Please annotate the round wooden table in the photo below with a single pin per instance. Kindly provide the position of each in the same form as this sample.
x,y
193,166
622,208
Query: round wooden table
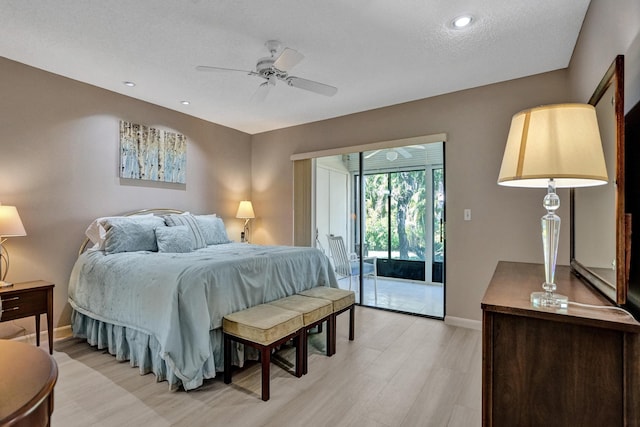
x,y
27,377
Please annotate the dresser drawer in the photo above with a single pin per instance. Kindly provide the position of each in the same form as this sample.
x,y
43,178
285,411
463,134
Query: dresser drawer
x,y
19,305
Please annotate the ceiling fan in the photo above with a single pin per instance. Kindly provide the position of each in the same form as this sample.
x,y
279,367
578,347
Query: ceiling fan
x,y
392,153
272,69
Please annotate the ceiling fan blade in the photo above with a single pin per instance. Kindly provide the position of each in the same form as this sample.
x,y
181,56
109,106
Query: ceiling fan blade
x,y
419,147
207,68
373,153
288,59
404,153
261,93
312,86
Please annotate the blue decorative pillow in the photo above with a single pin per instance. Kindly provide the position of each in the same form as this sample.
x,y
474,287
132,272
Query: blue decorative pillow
x,y
97,233
188,220
175,239
130,234
213,229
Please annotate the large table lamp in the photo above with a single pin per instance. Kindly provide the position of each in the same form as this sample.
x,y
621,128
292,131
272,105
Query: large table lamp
x,y
245,211
553,146
10,226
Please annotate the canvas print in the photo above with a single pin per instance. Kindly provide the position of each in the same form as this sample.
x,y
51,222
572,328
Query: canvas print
x,y
152,154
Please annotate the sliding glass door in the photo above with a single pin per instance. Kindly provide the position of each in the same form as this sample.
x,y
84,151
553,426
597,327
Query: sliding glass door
x,y
387,205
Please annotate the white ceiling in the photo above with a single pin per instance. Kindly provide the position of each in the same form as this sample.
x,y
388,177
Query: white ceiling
x,y
376,52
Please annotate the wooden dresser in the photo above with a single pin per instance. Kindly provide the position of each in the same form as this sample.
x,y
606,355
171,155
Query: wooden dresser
x,y
546,367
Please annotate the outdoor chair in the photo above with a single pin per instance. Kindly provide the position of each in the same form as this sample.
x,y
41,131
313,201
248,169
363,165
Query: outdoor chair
x,y
346,265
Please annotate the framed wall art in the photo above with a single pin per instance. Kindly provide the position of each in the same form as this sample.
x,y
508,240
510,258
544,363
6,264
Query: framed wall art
x,y
152,154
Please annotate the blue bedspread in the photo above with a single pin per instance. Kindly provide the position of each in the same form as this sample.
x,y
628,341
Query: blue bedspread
x,y
179,298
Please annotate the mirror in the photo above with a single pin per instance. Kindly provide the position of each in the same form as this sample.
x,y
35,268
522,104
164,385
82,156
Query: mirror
x,y
597,213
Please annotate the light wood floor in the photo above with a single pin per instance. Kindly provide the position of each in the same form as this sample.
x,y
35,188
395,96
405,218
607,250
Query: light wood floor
x,y
400,371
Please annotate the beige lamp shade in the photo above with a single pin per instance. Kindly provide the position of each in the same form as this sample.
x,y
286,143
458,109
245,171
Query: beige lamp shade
x,y
10,223
245,210
559,142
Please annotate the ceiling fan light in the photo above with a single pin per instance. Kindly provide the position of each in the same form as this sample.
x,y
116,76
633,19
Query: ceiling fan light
x,y
462,21
392,155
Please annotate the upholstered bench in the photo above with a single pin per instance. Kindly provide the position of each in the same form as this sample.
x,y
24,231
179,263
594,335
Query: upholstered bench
x,y
314,312
263,327
342,300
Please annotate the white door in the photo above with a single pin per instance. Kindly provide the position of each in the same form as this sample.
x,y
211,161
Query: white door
x,y
331,204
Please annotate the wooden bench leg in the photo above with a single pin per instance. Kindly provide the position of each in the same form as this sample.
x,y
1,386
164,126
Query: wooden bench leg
x,y
265,356
299,360
331,334
302,355
352,326
227,359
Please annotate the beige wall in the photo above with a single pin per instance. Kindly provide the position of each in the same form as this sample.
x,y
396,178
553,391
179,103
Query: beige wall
x,y
59,160
59,166
505,222
611,27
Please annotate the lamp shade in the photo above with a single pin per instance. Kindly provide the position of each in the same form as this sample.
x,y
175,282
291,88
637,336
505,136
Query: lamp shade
x,y
10,223
559,142
245,210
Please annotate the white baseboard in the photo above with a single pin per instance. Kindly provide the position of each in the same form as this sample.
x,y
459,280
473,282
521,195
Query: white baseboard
x,y
58,333
463,323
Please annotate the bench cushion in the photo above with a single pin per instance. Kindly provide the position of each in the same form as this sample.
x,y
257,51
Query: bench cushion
x,y
340,298
312,309
262,324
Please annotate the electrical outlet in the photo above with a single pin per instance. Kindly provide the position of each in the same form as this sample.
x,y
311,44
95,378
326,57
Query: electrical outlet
x,y
467,214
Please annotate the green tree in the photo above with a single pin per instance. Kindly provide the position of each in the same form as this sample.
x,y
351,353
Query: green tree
x,y
408,212
376,196
408,192
438,214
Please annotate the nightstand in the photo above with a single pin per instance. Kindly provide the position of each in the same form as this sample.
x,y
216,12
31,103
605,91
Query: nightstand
x,y
29,299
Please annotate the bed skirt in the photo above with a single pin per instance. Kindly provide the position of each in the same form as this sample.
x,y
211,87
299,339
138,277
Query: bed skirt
x,y
143,350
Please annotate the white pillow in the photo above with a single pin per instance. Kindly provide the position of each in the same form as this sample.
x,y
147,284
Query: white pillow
x,y
97,233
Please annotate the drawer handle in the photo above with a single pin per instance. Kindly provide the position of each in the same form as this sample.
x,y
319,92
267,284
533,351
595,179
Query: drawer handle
x,y
9,309
9,299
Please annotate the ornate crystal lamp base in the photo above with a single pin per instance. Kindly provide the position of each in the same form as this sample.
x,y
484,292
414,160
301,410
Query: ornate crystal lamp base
x,y
547,299
550,235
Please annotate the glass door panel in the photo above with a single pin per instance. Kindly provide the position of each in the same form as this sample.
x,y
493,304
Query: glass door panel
x,y
437,273
408,238
376,187
388,206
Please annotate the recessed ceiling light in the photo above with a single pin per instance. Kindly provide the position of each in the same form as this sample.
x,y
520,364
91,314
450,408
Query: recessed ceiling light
x,y
130,84
462,21
185,102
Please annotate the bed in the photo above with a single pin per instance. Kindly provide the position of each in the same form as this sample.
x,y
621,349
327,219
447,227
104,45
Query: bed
x,y
153,291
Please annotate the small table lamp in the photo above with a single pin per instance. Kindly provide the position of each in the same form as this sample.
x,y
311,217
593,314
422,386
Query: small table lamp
x,y
10,226
553,146
245,211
